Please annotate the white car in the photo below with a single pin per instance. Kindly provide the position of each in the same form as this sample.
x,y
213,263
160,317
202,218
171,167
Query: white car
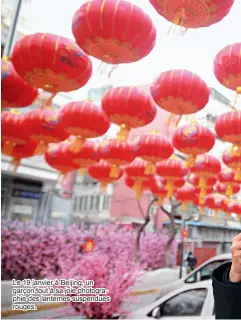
x,y
202,273
188,302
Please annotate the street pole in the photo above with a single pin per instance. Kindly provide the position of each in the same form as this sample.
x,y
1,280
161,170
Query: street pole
x,y
12,31
182,249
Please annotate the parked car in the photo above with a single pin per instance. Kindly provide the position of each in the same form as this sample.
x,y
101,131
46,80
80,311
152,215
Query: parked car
x,y
201,273
188,302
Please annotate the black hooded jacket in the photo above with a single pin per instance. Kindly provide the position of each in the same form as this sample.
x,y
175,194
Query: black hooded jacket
x,y
227,295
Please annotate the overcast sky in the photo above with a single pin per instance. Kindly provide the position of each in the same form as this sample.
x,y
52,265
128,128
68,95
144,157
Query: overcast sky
x,y
195,51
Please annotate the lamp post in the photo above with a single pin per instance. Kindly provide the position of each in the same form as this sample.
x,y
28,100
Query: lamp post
x,y
12,31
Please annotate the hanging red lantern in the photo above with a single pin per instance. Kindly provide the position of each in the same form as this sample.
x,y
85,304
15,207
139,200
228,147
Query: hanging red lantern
x,y
232,206
51,62
224,188
171,170
193,14
202,206
192,140
205,167
15,92
176,184
86,156
202,189
180,92
227,177
153,148
128,107
232,159
227,67
43,126
146,185
83,119
228,127
88,246
186,195
19,152
117,153
137,171
101,171
59,157
13,130
114,31
216,202
159,190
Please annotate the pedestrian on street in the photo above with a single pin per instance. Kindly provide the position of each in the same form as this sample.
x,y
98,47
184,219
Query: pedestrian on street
x,y
227,285
191,261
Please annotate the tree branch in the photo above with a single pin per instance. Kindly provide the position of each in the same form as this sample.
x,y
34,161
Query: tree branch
x,y
140,208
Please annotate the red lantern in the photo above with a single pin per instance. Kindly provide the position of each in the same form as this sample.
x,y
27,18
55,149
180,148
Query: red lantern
x,y
15,92
201,206
44,127
117,153
232,159
193,14
83,119
128,107
227,177
59,157
224,188
193,139
227,67
114,31
216,202
180,92
153,148
137,171
205,167
13,130
203,189
51,62
159,190
88,246
233,206
19,152
171,170
186,194
86,156
131,183
101,171
228,127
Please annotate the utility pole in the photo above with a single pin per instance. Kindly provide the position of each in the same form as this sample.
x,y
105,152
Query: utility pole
x,y
12,31
184,235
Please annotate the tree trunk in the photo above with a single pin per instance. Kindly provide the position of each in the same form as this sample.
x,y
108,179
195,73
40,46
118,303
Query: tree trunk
x,y
147,220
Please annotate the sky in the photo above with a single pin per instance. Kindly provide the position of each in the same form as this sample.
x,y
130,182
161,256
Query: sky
x,y
195,51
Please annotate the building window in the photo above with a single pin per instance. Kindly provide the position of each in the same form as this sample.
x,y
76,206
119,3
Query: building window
x,y
84,203
106,204
96,203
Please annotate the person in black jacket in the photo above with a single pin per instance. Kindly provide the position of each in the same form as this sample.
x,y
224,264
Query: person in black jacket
x,y
227,285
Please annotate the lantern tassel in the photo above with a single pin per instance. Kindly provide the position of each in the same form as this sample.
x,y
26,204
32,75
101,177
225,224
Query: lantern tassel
x,y
201,210
48,103
215,213
60,178
238,92
138,188
170,119
185,206
202,196
237,176
115,171
41,148
82,171
190,161
123,133
103,187
8,147
202,183
229,191
169,188
76,144
14,165
160,201
150,169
